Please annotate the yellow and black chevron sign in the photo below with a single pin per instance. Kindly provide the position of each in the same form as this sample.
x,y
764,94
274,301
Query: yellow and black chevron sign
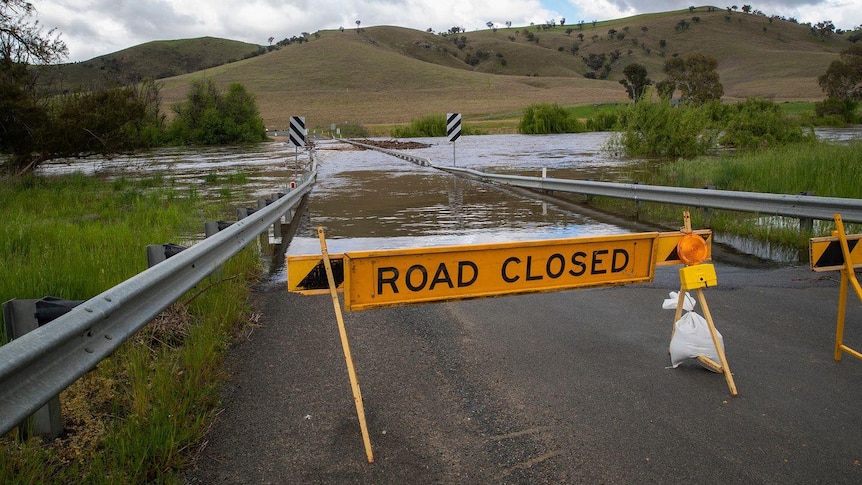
x,y
307,273
826,254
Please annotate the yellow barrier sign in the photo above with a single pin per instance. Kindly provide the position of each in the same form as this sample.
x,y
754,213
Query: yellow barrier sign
x,y
395,277
826,254
306,273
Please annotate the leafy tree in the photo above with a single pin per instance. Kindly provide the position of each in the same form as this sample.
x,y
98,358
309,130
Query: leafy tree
x,y
823,29
665,89
843,77
209,117
22,116
636,81
695,77
22,39
108,120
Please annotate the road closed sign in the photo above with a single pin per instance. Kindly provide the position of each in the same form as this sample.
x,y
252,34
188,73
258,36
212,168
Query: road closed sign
x,y
405,276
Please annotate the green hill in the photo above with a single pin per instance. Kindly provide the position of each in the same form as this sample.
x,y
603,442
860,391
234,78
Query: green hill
x,y
157,59
384,75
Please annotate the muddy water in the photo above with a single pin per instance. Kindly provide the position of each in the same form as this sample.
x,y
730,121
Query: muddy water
x,y
266,166
368,200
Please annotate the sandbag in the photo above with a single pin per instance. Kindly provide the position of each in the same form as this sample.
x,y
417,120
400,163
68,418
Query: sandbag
x,y
691,338
687,304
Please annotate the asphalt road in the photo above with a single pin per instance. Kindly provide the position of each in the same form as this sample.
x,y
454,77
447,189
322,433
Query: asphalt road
x,y
569,387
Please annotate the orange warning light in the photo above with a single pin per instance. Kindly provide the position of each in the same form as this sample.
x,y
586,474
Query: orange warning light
x,y
691,249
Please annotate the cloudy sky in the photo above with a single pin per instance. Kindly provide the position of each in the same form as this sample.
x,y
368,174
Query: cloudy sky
x,y
94,27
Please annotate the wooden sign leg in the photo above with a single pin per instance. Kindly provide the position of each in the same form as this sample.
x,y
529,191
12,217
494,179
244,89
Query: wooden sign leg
x,y
725,368
345,345
842,315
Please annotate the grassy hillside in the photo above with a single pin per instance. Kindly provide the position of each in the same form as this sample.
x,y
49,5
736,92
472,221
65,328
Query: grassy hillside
x,y
384,75
350,77
157,59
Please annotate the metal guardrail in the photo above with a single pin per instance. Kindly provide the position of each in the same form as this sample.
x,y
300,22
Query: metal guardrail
x,y
424,162
40,364
799,206
803,207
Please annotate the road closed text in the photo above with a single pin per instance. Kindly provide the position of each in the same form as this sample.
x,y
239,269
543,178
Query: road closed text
x,y
463,274
382,278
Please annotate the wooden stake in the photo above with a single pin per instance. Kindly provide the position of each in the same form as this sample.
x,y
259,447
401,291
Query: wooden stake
x,y
725,368
354,382
848,280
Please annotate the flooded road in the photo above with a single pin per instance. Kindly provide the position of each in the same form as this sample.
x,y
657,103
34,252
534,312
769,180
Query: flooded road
x,y
369,200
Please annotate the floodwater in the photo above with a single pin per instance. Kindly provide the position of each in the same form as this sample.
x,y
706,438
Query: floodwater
x,y
365,199
369,200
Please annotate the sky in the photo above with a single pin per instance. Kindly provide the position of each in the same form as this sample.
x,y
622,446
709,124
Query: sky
x,y
91,28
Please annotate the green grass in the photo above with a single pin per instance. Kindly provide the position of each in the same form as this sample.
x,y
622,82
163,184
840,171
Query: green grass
x,y
798,109
141,414
824,169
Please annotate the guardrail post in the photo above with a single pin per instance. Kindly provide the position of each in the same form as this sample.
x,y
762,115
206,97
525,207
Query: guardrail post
x,y
156,253
806,223
244,212
24,316
707,211
211,228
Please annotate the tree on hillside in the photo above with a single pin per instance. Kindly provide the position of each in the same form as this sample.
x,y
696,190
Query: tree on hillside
x,y
636,81
843,77
695,77
823,29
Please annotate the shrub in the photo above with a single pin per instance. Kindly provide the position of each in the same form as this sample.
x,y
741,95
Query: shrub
x,y
659,129
842,110
209,117
427,126
758,123
546,118
602,121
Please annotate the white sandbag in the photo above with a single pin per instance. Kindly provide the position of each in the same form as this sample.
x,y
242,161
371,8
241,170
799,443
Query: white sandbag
x,y
691,338
687,304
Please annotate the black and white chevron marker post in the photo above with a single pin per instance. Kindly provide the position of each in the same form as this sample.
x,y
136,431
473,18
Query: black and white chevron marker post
x,y
296,135
296,132
453,130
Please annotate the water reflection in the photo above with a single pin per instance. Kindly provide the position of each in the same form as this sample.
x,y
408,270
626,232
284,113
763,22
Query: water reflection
x,y
376,201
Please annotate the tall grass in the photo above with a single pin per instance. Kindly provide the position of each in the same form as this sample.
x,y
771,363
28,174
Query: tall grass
x,y
139,416
823,169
